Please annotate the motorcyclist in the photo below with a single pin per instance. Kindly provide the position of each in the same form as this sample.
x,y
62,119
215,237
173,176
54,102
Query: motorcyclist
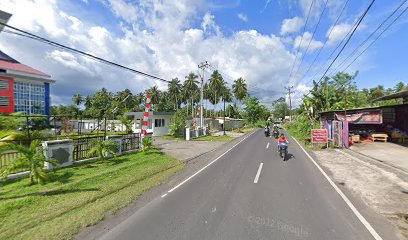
x,y
281,140
267,130
275,132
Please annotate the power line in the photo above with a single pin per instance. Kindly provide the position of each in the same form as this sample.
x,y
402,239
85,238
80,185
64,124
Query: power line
x,y
301,39
368,38
348,39
325,42
338,45
311,39
377,38
52,43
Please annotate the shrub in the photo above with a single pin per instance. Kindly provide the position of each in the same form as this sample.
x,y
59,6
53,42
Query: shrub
x,y
103,147
32,158
177,123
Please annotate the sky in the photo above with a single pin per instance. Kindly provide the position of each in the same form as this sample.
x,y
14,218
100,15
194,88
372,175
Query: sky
x,y
258,40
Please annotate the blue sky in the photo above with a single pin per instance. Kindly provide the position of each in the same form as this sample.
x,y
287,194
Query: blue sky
x,y
257,40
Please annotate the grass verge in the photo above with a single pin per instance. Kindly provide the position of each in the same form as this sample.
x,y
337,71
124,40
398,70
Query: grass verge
x,y
79,196
169,137
222,138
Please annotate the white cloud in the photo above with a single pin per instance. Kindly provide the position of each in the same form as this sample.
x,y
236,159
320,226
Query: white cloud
x,y
338,32
243,17
307,39
164,42
124,10
291,25
300,90
209,24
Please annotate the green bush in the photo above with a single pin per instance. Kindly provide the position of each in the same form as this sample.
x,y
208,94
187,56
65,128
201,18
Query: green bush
x,y
177,123
147,144
300,128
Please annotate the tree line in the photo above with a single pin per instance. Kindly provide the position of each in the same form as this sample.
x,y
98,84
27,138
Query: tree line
x,y
178,95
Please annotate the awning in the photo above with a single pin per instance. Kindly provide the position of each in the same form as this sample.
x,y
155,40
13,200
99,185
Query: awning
x,y
363,117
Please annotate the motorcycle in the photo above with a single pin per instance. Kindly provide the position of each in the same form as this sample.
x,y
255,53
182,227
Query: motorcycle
x,y
267,133
283,150
276,134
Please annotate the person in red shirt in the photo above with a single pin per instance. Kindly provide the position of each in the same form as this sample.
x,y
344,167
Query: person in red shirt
x,y
282,139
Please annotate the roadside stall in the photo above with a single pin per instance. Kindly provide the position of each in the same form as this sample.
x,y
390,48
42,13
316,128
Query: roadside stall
x,y
385,123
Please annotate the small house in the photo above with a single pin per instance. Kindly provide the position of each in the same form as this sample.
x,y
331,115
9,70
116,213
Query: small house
x,y
158,124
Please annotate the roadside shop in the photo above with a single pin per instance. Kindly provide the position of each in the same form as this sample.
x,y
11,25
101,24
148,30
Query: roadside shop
x,y
384,123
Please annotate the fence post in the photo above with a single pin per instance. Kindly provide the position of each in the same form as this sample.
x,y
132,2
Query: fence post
x,y
187,133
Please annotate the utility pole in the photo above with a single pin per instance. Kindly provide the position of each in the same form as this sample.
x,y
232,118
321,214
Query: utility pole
x,y
290,101
202,66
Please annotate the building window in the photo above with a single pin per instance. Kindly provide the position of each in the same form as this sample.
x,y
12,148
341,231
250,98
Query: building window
x,y
29,97
4,101
158,122
4,85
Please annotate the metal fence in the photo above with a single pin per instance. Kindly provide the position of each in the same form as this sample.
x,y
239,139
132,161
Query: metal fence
x,y
130,141
7,157
81,147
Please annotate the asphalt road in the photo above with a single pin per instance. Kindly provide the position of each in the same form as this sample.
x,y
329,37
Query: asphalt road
x,y
236,198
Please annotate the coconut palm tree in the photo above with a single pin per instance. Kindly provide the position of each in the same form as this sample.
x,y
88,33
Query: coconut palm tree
x,y
207,96
226,94
215,84
139,99
190,89
239,88
77,99
155,96
174,91
88,102
31,158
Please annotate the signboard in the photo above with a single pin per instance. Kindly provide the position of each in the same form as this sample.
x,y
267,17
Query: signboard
x,y
319,135
363,117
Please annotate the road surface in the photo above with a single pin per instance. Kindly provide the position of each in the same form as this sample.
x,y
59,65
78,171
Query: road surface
x,y
248,193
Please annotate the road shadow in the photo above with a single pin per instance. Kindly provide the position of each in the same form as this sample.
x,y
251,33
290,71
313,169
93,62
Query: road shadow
x,y
289,156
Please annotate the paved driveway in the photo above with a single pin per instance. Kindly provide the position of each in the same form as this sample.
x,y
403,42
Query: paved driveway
x,y
185,150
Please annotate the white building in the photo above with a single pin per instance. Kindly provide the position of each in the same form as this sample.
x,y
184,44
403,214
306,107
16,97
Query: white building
x,y
159,122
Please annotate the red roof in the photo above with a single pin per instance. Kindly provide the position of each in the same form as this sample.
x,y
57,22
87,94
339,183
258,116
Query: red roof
x,y
20,67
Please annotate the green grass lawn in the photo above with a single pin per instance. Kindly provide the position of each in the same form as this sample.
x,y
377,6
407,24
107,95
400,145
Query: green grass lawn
x,y
79,196
221,138
169,137
244,129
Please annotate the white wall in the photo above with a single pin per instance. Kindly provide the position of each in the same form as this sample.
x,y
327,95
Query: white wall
x,y
163,130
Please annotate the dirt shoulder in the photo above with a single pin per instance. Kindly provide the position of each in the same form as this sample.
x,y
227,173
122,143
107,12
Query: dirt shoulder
x,y
380,187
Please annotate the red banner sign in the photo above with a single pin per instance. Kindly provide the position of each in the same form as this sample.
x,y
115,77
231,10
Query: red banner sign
x,y
363,117
319,136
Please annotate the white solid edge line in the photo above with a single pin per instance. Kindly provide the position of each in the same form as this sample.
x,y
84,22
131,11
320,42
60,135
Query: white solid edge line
x,y
206,166
267,145
258,173
344,197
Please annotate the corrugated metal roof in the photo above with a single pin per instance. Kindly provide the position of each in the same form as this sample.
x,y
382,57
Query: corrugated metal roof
x,y
400,94
15,66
